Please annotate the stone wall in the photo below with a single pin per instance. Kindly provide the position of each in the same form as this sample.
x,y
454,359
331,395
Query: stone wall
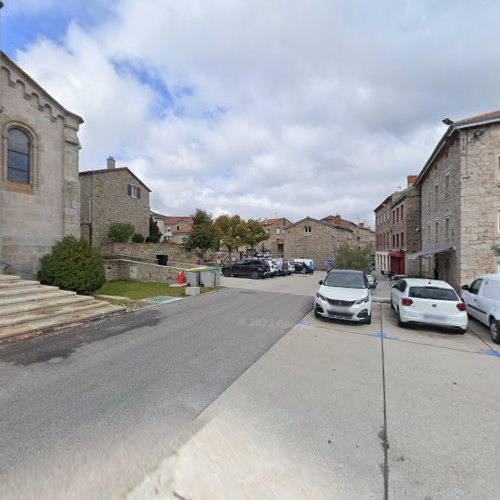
x,y
148,251
129,270
35,216
276,242
107,192
320,244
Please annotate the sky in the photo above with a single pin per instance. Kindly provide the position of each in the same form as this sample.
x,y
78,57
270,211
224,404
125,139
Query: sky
x,y
262,108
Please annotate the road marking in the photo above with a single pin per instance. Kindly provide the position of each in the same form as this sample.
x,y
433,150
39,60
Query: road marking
x,y
381,335
490,352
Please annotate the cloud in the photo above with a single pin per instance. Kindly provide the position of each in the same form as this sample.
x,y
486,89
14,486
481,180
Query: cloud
x,y
296,108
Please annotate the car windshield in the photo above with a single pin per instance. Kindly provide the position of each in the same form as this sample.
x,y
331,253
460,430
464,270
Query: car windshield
x,y
432,292
345,280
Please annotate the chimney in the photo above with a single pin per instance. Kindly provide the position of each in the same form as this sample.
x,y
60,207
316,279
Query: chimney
x,y
337,219
361,225
111,162
411,180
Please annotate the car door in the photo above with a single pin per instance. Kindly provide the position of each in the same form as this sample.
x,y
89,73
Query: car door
x,y
397,293
238,268
482,303
470,298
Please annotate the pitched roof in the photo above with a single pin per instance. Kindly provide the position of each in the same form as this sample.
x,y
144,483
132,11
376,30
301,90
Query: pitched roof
x,y
269,222
476,119
473,121
38,87
110,170
320,222
173,219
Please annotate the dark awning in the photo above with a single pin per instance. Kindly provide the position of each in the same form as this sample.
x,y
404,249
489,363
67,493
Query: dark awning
x,y
429,251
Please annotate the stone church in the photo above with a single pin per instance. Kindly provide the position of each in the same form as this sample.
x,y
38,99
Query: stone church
x,y
39,186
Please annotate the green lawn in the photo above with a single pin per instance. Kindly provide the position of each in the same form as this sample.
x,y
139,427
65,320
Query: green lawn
x,y
138,290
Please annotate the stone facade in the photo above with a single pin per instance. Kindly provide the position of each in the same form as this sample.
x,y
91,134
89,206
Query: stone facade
x,y
460,202
276,229
175,229
36,214
383,230
361,235
314,239
112,195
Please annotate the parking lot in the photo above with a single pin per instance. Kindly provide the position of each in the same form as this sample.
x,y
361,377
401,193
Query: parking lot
x,y
345,410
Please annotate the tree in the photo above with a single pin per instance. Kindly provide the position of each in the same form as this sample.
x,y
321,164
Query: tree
x,y
231,231
120,232
354,258
154,231
203,235
73,265
254,233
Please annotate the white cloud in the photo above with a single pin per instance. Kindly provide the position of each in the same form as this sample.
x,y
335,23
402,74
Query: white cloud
x,y
296,108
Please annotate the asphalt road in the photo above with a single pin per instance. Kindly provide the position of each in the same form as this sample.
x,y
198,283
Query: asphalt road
x,y
88,412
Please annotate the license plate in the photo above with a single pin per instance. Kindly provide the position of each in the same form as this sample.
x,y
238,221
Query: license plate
x,y
431,317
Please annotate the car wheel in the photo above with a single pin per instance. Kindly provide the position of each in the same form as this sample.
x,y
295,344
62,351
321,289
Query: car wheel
x,y
392,305
400,323
368,320
226,273
317,314
462,331
495,330
255,275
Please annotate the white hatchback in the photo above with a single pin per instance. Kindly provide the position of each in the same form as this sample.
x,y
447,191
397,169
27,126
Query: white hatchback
x,y
428,301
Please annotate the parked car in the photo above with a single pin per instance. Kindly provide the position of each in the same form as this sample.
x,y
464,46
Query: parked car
x,y
274,268
255,268
262,255
482,298
344,294
282,267
428,301
290,266
372,280
302,266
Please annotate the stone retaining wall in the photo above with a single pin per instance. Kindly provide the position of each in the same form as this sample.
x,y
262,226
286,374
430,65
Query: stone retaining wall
x,y
130,270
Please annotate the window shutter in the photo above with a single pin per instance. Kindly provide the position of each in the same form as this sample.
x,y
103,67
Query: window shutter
x,y
129,190
138,193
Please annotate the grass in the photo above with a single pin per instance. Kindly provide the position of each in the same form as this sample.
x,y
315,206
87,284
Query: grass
x,y
137,290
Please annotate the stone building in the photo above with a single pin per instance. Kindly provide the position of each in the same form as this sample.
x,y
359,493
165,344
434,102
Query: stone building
x,y
397,221
315,239
460,202
276,229
383,230
176,228
112,195
361,235
39,190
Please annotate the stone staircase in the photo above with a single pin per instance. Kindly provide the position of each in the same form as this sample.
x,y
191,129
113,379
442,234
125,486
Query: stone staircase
x,y
27,306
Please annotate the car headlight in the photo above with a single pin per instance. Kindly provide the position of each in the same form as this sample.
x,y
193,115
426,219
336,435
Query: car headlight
x,y
364,299
320,296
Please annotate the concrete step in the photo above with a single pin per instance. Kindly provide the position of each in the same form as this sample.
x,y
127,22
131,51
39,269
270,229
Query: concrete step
x,y
102,311
35,305
53,312
40,296
8,277
25,290
8,285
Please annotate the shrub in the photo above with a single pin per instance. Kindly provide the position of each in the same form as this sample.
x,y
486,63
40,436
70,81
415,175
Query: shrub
x,y
120,232
153,238
138,238
73,265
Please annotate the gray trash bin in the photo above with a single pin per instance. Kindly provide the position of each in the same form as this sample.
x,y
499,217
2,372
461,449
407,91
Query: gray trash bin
x,y
207,278
192,278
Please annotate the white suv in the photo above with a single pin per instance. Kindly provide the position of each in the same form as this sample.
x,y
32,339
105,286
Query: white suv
x,y
482,298
344,294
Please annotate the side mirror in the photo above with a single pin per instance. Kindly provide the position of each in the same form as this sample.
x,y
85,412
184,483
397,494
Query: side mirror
x,y
371,286
465,287
320,282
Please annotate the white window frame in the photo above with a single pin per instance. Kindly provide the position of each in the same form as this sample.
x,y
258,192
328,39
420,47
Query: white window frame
x,y
134,191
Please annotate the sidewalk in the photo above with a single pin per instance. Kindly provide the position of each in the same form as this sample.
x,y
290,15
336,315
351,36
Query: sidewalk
x,y
383,291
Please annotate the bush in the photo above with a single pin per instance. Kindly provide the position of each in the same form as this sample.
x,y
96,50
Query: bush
x,y
138,238
120,232
73,265
153,238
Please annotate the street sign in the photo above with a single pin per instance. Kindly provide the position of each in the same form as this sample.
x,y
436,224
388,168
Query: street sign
x,y
329,262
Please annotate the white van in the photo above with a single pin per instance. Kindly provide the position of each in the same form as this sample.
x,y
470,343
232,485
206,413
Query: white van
x,y
482,298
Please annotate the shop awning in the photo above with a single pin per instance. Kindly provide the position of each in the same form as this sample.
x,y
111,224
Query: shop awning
x,y
430,251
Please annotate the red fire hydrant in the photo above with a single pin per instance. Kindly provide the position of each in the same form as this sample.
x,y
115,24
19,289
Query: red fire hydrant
x,y
180,278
